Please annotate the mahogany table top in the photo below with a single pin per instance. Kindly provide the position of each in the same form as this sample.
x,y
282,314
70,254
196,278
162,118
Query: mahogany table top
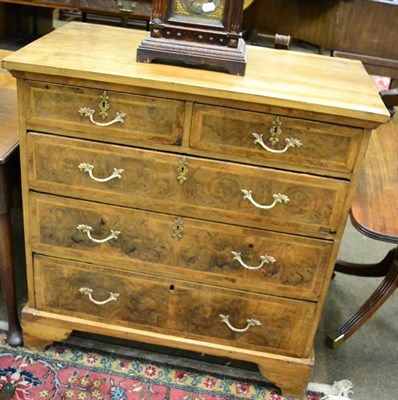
x,y
374,209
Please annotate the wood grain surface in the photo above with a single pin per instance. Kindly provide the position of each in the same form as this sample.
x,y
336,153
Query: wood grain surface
x,y
330,86
212,191
229,131
172,306
203,254
147,119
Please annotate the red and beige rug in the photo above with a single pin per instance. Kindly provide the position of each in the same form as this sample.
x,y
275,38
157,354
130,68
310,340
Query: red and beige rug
x,y
70,373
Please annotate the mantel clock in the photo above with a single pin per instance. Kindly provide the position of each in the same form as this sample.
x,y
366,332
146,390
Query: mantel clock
x,y
196,32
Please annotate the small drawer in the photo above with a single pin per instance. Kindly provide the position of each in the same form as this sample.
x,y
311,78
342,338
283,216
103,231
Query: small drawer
x,y
211,253
104,115
186,186
267,139
174,307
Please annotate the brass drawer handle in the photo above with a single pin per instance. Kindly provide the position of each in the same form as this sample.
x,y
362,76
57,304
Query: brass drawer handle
x,y
290,143
89,112
250,322
278,198
264,260
89,292
85,167
87,229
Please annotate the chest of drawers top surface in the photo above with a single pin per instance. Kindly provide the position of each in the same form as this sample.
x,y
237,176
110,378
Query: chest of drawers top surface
x,y
334,88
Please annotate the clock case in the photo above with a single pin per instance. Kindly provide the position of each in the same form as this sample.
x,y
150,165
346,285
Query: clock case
x,y
193,43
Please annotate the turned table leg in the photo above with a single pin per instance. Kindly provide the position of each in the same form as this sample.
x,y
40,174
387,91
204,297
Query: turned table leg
x,y
375,301
7,274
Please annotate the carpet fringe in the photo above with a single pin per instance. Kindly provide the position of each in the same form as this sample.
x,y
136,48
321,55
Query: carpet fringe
x,y
340,390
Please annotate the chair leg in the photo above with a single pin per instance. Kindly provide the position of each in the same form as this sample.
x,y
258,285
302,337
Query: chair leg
x,y
7,277
378,298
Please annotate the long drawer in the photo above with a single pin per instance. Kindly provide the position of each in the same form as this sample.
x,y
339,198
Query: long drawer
x,y
171,306
187,186
185,248
118,117
266,139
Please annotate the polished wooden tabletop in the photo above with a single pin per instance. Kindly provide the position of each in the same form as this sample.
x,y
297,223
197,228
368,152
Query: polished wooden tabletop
x,y
8,112
374,210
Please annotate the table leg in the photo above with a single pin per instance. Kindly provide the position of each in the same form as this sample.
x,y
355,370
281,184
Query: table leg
x,y
375,301
372,270
7,274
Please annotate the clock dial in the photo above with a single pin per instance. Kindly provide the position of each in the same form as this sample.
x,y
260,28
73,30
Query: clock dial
x,y
199,11
200,6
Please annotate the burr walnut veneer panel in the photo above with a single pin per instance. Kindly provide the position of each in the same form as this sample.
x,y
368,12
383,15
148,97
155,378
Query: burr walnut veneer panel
x,y
187,307
229,131
149,119
184,207
212,190
205,251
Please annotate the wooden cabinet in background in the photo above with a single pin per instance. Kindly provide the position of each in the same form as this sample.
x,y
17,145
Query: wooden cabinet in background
x,y
25,20
137,8
365,30
183,207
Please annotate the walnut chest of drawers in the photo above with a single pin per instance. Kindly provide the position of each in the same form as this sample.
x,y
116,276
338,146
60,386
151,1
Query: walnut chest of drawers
x,y
185,207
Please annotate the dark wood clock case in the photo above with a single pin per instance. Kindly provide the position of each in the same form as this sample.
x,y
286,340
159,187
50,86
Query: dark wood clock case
x,y
171,40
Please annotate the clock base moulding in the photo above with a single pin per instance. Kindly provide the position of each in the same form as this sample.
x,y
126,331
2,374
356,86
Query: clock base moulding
x,y
233,60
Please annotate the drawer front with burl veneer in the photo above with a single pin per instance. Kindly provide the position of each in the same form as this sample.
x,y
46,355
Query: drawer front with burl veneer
x,y
188,186
280,141
169,245
105,116
175,307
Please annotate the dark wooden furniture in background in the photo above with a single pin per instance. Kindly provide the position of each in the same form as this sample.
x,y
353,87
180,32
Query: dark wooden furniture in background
x,y
35,17
9,175
123,9
361,29
29,18
374,213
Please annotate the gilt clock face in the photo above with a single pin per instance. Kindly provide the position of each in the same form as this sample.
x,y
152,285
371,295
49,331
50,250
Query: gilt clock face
x,y
199,11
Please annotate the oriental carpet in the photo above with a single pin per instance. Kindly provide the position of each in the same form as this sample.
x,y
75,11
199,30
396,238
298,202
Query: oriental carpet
x,y
72,373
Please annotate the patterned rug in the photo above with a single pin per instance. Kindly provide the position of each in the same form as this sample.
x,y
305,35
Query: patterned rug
x,y
72,373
